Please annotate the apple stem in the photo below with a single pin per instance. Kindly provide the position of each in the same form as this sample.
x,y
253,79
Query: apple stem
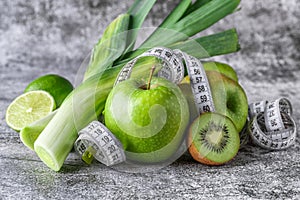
x,y
150,77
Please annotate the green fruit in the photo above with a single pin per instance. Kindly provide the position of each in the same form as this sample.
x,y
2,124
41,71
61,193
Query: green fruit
x,y
213,139
229,98
218,67
187,92
28,108
150,123
57,86
221,68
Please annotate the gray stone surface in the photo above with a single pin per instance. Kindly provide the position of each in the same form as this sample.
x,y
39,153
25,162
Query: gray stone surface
x,y
40,37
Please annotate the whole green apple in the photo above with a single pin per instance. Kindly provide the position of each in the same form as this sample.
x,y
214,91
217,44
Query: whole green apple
x,y
150,122
229,98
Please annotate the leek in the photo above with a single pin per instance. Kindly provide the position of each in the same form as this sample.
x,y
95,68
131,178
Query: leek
x,y
30,133
211,45
138,12
195,6
193,23
110,47
176,14
117,39
203,47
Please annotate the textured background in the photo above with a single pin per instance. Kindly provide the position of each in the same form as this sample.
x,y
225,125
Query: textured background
x,y
40,37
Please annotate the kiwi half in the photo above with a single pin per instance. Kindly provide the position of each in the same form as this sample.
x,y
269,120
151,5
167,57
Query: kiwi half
x,y
213,139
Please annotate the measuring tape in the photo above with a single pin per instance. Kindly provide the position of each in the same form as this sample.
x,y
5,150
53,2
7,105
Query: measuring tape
x,y
273,120
90,140
101,143
272,126
173,69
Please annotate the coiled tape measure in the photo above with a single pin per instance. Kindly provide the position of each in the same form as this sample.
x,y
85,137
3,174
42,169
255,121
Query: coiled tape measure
x,y
90,141
272,126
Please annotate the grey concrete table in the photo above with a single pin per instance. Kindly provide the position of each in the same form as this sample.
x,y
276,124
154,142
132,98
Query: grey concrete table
x,y
40,37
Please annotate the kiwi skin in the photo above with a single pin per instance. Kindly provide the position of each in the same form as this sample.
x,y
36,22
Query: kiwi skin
x,y
196,154
198,157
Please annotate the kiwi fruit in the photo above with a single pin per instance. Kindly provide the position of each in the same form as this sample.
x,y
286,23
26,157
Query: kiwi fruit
x,y
213,139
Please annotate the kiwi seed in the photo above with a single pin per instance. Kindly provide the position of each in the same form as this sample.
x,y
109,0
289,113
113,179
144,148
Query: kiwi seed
x,y
213,128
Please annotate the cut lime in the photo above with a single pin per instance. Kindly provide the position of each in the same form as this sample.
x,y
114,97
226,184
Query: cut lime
x,y
57,86
28,108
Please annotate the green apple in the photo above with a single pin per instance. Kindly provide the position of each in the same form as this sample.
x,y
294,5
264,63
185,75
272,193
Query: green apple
x,y
228,95
185,87
222,68
229,98
188,93
149,120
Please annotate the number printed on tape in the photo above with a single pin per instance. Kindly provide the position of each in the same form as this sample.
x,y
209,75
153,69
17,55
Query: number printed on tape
x,y
109,150
280,129
173,70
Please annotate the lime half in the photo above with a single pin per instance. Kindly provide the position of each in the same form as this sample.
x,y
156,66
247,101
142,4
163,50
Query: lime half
x,y
28,108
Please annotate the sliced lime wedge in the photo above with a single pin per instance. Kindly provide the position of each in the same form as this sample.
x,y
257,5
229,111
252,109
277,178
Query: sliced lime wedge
x,y
28,108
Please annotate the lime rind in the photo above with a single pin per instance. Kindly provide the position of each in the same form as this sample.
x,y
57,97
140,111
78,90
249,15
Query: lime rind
x,y
57,86
28,108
